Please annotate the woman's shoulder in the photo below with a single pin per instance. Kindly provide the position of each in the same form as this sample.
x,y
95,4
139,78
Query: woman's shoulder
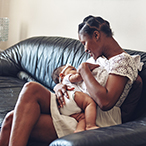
x,y
122,55
126,59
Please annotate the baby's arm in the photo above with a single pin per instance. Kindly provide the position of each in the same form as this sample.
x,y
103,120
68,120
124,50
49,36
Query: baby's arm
x,y
74,78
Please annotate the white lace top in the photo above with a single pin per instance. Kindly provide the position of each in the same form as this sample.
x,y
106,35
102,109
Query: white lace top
x,y
124,65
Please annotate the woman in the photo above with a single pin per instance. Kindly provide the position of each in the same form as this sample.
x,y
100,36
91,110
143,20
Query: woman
x,y
42,121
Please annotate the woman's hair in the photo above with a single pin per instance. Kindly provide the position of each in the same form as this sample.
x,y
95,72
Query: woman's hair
x,y
91,23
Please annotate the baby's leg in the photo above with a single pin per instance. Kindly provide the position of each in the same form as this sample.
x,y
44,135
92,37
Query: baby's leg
x,y
86,103
81,126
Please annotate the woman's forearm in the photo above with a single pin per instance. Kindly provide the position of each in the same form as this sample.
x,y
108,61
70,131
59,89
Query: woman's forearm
x,y
94,88
99,93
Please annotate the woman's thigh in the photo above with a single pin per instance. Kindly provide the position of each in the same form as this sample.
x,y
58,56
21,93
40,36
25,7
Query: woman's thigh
x,y
44,129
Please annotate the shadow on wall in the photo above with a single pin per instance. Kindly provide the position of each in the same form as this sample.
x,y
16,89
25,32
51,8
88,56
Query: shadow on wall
x,y
22,35
23,31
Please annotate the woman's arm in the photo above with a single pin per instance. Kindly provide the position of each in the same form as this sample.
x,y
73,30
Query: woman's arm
x,y
74,78
106,97
91,66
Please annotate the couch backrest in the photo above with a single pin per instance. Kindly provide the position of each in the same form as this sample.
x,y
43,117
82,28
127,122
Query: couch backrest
x,y
39,56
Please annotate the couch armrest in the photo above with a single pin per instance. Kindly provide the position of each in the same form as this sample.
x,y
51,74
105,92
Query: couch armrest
x,y
128,134
128,108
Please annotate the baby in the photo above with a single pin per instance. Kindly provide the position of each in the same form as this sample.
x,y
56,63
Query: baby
x,y
79,99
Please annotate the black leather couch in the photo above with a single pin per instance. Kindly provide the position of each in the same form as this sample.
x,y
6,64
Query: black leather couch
x,y
35,58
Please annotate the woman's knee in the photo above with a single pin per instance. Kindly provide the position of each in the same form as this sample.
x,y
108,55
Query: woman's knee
x,y
7,121
9,116
31,86
30,89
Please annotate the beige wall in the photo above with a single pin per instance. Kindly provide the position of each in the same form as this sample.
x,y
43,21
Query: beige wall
x,y
60,18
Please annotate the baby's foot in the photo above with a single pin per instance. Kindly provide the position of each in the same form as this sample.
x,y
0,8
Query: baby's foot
x,y
92,127
79,130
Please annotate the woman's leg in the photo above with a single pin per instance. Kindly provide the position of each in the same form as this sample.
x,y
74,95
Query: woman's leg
x,y
6,129
29,114
43,131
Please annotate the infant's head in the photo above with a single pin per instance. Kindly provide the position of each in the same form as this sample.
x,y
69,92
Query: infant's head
x,y
60,72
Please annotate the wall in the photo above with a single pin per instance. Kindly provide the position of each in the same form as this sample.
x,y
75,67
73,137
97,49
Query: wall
x,y
60,18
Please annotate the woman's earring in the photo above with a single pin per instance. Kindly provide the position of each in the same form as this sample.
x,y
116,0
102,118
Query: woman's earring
x,y
96,36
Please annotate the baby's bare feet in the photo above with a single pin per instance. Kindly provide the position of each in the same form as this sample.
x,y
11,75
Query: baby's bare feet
x,y
78,130
92,127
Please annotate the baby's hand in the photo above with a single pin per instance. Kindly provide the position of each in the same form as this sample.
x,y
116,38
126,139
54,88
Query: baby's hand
x,y
74,78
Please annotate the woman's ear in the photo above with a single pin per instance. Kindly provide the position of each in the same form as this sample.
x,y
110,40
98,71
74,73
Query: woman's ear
x,y
96,35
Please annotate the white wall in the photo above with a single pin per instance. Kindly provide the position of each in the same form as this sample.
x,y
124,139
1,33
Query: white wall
x,y
60,18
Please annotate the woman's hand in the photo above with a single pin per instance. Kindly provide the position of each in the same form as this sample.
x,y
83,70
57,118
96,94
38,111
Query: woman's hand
x,y
61,92
88,65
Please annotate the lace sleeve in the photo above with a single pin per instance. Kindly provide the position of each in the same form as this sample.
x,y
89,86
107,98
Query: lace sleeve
x,y
125,65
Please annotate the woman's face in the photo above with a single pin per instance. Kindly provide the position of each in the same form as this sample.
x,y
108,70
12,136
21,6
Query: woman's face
x,y
91,45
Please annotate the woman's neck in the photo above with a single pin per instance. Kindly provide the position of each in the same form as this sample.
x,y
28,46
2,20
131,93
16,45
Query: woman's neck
x,y
111,48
